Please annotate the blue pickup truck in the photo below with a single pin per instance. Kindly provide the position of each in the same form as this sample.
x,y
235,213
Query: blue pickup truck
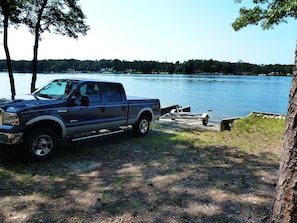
x,y
75,109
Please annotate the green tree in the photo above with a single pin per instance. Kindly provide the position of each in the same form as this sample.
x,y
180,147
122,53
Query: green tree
x,y
268,13
10,9
62,17
117,65
189,67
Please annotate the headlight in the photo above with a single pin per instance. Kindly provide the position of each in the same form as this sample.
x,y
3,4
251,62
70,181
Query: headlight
x,y
10,119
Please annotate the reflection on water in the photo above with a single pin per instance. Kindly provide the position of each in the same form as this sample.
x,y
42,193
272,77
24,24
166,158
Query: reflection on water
x,y
227,96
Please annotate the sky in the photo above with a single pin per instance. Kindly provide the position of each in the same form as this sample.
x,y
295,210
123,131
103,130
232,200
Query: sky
x,y
164,31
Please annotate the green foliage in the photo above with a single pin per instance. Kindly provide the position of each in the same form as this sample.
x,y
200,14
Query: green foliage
x,y
188,67
62,17
11,9
266,13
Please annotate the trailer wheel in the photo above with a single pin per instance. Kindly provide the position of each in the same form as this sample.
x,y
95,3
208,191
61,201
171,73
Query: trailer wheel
x,y
142,126
41,143
205,120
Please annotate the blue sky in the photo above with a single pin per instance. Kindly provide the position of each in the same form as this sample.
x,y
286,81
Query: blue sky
x,y
162,30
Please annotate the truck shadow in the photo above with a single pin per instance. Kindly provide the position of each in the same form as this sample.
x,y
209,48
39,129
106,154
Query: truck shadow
x,y
158,178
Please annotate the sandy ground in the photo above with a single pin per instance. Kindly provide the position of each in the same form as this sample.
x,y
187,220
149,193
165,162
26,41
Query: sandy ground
x,y
159,178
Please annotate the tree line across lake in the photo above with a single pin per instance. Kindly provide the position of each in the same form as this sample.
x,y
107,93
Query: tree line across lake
x,y
147,67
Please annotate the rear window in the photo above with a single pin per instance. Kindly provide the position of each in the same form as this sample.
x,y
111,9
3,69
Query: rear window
x,y
113,93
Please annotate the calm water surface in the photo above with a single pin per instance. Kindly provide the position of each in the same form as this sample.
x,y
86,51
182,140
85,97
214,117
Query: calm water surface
x,y
227,96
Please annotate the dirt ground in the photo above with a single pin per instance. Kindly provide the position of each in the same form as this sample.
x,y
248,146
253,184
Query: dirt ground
x,y
163,177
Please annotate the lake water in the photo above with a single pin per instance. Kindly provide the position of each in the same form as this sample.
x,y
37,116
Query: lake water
x,y
227,96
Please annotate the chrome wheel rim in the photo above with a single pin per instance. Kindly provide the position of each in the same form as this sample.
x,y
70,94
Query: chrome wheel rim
x,y
42,145
144,126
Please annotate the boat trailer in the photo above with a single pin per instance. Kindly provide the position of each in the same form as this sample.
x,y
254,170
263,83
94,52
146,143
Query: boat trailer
x,y
179,113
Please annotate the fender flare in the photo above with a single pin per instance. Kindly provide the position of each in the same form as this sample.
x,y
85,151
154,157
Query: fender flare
x,y
48,118
144,110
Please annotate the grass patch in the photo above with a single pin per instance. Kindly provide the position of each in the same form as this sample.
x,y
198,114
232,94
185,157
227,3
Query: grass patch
x,y
171,175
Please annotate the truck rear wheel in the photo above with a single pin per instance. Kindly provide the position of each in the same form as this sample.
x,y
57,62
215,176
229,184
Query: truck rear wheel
x,y
41,143
142,126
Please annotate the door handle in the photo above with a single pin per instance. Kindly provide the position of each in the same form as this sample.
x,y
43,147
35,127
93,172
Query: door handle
x,y
123,107
103,109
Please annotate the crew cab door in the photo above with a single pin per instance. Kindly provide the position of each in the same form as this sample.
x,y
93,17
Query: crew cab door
x,y
96,106
87,109
116,106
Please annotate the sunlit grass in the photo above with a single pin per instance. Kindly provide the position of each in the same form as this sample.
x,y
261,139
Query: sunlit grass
x,y
248,134
170,169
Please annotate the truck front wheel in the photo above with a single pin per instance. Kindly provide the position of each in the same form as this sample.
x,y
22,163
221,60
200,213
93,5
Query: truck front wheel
x,y
41,143
142,126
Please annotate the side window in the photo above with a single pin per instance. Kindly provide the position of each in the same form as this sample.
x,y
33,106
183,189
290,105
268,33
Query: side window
x,y
113,93
92,91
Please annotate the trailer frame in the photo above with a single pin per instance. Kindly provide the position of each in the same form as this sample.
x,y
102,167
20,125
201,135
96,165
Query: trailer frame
x,y
179,113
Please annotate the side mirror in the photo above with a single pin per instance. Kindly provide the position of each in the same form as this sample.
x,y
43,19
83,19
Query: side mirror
x,y
74,100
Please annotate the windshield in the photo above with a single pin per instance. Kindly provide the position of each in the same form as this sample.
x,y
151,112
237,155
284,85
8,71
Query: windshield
x,y
56,89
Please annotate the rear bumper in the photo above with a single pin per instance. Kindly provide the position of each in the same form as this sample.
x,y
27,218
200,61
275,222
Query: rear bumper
x,y
156,117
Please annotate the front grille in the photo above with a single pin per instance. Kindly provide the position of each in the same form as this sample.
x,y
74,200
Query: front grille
x,y
1,116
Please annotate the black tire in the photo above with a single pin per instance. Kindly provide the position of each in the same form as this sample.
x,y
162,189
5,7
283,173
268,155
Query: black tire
x,y
142,126
41,143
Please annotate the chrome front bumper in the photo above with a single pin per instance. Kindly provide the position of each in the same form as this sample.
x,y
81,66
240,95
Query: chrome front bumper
x,y
10,138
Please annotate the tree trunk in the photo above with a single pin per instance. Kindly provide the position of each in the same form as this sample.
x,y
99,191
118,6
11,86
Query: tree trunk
x,y
285,203
34,63
5,10
36,45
